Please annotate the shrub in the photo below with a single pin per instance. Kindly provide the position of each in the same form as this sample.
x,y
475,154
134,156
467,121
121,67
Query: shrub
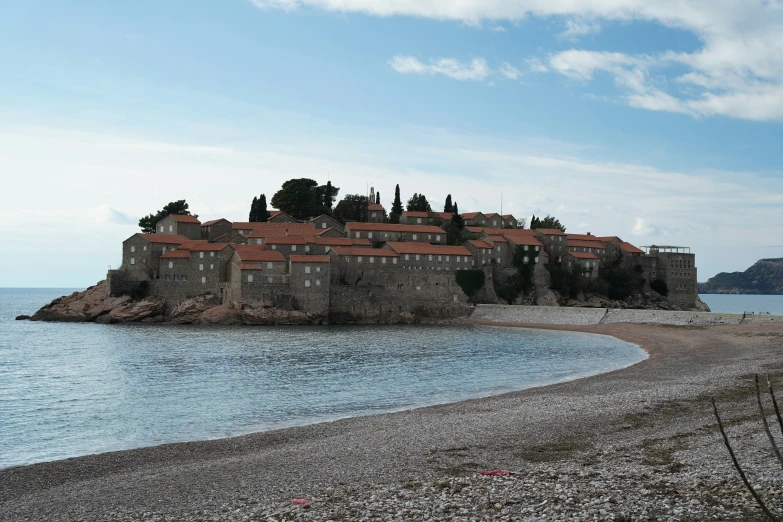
x,y
471,281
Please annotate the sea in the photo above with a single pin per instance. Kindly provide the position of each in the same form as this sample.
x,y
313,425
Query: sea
x,y
76,389
737,304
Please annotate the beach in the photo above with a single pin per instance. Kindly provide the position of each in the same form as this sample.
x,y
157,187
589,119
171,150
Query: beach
x,y
634,444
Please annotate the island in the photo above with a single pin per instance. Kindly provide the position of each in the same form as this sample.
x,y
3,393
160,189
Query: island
x,y
764,277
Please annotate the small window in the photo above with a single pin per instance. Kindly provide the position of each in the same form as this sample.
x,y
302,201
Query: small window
x,y
437,238
525,259
372,259
418,288
161,229
373,214
249,278
358,259
168,277
184,278
145,248
270,279
317,282
171,264
171,228
386,235
133,248
274,247
201,255
133,259
383,260
417,257
211,254
448,258
293,248
270,266
307,270
307,283
536,259
407,257
307,248
498,248
203,280
394,260
418,221
164,249
176,277
458,259
347,259
430,258
415,237
323,225
440,259
429,237
525,248
358,234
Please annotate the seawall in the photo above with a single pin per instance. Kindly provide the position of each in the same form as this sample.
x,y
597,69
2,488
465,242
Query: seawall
x,y
587,316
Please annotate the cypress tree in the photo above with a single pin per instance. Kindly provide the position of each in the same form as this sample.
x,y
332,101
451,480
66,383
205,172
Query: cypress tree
x,y
377,198
328,197
262,214
448,207
455,209
396,210
253,210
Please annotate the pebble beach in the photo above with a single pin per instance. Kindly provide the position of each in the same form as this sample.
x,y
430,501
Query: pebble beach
x,y
639,443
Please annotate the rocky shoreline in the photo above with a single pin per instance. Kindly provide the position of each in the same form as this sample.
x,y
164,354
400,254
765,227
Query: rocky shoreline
x,y
633,444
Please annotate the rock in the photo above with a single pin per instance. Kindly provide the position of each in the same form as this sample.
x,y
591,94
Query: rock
x,y
701,306
23,317
226,313
188,311
80,306
546,297
131,311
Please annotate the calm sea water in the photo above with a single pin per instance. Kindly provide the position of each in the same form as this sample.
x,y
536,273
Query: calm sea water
x,y
76,389
738,304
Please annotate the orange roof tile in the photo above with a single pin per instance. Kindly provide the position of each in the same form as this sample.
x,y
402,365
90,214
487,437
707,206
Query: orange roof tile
x,y
497,239
264,255
289,240
209,223
179,218
630,249
342,241
582,255
506,216
389,227
582,237
176,254
490,216
585,244
551,231
415,213
478,243
413,247
369,252
445,216
208,247
374,206
310,259
470,215
523,239
167,239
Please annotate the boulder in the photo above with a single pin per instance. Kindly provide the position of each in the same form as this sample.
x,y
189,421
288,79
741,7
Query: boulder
x,y
225,313
80,306
132,311
188,311
23,317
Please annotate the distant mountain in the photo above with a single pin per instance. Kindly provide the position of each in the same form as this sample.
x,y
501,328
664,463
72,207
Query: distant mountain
x,y
764,277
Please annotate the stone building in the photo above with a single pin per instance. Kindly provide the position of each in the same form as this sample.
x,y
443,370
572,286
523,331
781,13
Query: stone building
x,y
324,222
425,256
508,221
480,250
188,226
425,218
141,253
587,260
351,265
324,244
310,282
555,243
212,230
382,232
676,266
375,213
290,245
276,216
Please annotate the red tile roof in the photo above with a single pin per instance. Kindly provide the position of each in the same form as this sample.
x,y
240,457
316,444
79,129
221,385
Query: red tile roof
x,y
263,255
582,255
368,252
374,206
208,247
166,239
289,240
389,227
413,247
415,213
342,241
585,244
470,215
490,216
209,223
323,231
551,231
582,237
507,216
266,225
523,239
478,243
243,265
310,259
445,216
176,254
179,218
630,249
497,239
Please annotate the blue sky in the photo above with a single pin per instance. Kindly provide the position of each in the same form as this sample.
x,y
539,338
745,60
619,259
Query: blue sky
x,y
656,121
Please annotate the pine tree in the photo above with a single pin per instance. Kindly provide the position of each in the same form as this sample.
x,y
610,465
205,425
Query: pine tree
x,y
262,214
448,207
377,198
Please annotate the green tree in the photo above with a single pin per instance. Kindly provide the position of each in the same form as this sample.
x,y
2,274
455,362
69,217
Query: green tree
x,y
253,210
329,196
303,198
455,210
353,207
377,198
448,207
148,222
418,203
550,222
262,214
396,209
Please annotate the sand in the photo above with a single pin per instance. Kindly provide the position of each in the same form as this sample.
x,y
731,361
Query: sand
x,y
662,399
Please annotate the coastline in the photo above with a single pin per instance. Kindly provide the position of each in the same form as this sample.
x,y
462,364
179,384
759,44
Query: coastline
x,y
561,423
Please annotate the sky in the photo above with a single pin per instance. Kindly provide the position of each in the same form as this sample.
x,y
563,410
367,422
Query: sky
x,y
656,121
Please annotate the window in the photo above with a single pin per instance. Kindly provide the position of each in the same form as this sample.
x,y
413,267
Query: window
x,y
176,277
386,235
203,280
347,259
429,237
525,259
211,266
307,270
372,259
164,249
270,279
358,234
168,277
536,248
560,238
201,255
498,248
270,266
327,249
373,214
525,248
418,288
184,277
417,257
293,248
274,247
161,229
437,238
307,283
211,254
307,248
383,260
249,278
536,259
201,267
448,258
418,221
358,259
458,259
415,237
133,260
171,228
369,235
394,260
171,264
430,258
323,225
318,269
145,248
440,259
407,257
133,248
317,282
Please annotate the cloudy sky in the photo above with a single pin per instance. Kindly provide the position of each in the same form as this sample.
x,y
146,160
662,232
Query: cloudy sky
x,y
658,121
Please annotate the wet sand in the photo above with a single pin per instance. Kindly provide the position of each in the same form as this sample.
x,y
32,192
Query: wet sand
x,y
661,398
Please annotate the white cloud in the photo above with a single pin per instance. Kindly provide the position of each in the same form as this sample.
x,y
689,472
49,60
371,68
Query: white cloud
x,y
475,70
510,72
737,71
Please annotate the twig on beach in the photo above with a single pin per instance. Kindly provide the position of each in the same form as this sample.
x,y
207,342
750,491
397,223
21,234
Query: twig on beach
x,y
766,424
775,403
756,496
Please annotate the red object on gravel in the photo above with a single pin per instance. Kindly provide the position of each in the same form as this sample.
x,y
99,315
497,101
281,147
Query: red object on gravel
x,y
301,501
498,472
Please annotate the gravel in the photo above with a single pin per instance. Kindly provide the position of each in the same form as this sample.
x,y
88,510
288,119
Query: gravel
x,y
634,444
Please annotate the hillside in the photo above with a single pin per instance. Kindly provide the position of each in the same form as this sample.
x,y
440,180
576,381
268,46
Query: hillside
x,y
764,277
